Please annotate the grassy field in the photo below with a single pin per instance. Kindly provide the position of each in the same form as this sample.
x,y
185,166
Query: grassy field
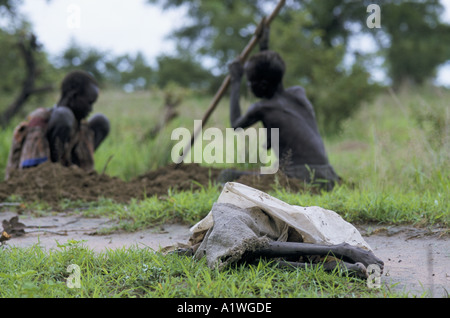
x,y
394,152
137,272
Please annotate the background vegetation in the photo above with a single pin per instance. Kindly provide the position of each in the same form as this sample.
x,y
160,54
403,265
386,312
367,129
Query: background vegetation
x,y
393,154
389,140
316,38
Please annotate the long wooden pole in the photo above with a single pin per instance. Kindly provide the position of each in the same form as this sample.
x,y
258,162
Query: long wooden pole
x,y
226,82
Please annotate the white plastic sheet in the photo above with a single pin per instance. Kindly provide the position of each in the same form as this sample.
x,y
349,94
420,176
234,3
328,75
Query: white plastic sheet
x,y
315,224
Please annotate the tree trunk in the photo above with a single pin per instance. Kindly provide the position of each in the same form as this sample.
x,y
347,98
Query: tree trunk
x,y
27,48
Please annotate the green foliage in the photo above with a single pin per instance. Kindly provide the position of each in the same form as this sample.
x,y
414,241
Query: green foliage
x,y
336,92
312,36
184,71
130,72
9,53
222,29
9,7
142,273
12,65
216,29
392,153
185,207
134,72
394,174
88,59
409,39
5,144
416,37
16,31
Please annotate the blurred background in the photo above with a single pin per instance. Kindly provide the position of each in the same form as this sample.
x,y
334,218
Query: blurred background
x,y
381,94
142,44
152,56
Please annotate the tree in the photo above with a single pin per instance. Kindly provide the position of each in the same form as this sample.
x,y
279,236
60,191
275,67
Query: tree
x,y
27,47
219,30
128,71
184,71
88,59
9,7
134,72
313,35
335,90
416,40
410,38
24,66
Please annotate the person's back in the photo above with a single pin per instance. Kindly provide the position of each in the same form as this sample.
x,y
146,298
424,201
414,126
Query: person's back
x,y
61,133
299,136
301,149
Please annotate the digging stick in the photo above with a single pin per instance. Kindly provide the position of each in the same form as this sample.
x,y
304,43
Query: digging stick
x,y
226,82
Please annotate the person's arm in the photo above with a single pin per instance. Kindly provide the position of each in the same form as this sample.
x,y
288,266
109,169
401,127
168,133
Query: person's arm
x,y
237,120
264,41
236,74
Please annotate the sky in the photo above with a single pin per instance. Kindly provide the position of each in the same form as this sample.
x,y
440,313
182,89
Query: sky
x,y
117,26
121,26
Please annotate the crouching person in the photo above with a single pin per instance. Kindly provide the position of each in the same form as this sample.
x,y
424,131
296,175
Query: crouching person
x,y
61,133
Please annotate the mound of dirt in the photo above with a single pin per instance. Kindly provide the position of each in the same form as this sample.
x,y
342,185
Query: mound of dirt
x,y
181,177
51,182
268,182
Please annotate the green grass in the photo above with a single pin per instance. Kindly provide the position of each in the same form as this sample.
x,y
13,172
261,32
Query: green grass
x,y
182,207
138,272
393,154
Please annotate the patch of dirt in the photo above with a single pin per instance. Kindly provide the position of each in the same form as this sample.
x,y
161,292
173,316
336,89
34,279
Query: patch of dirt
x,y
51,182
267,182
51,231
416,260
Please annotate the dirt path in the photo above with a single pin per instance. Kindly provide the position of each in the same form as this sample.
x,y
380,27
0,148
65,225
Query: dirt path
x,y
50,231
417,261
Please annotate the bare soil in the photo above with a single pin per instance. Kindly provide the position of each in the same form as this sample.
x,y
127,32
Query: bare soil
x,y
51,182
416,260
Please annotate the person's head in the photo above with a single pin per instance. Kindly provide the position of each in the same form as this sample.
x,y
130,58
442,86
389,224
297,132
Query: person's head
x,y
265,71
79,91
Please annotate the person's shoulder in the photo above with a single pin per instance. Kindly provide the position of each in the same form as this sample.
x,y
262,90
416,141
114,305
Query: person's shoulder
x,y
41,112
298,94
296,90
264,105
257,107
